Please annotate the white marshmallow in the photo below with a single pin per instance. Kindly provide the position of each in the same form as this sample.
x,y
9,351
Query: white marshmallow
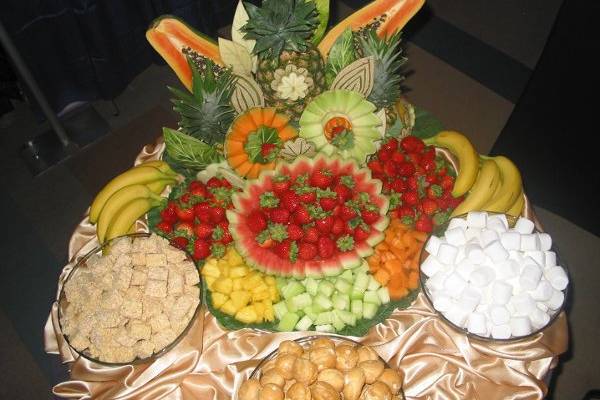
x,y
516,255
457,223
441,301
543,307
516,284
539,319
511,240
522,305
460,255
464,268
477,324
432,246
507,269
542,292
477,219
530,276
486,295
501,292
501,331
482,276
457,315
520,326
557,277
431,266
454,285
524,226
493,220
447,253
556,300
538,256
488,236
474,253
472,234
469,299
499,315
436,282
495,251
550,258
456,236
545,241
530,242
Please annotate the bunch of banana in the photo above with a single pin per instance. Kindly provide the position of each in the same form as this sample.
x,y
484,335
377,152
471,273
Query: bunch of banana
x,y
128,197
490,183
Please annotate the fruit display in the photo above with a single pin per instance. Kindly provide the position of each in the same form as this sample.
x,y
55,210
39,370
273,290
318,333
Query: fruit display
x,y
323,367
128,197
488,183
237,290
418,181
193,218
309,218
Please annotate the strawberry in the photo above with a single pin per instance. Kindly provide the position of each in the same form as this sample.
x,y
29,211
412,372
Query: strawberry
x,y
398,157
168,214
225,183
197,188
361,234
410,198
308,197
390,145
348,229
302,216
326,247
165,226
369,216
431,179
429,206
384,155
280,215
325,224
412,144
386,187
347,213
321,178
289,199
203,230
185,198
256,221
406,168
185,214
179,242
213,182
429,153
311,235
398,185
455,201
281,184
217,214
375,166
447,182
307,251
390,169
343,192
415,158
338,227
434,192
184,229
424,223
294,232
427,165
224,225
282,249
412,182
226,239
328,203
201,249
202,212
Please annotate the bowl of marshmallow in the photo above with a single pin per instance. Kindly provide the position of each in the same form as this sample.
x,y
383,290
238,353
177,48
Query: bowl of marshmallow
x,y
493,276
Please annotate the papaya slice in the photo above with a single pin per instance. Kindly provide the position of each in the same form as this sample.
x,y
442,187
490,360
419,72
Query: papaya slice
x,y
287,133
169,35
395,14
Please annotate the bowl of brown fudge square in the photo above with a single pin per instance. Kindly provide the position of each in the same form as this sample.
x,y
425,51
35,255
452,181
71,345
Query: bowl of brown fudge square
x,y
130,300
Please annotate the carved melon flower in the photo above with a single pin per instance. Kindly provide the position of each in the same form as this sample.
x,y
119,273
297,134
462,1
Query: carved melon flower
x,y
291,83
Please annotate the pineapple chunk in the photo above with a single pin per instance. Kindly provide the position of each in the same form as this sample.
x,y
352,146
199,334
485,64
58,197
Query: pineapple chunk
x,y
218,299
211,270
260,310
238,284
247,315
238,271
269,280
223,285
209,281
269,314
233,257
252,280
222,263
224,270
240,298
260,288
229,307
273,294
262,295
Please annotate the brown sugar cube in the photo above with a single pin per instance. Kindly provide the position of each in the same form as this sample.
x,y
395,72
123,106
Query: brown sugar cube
x,y
163,338
180,308
123,338
139,330
175,283
193,291
123,354
103,337
131,308
156,260
159,323
168,303
156,288
120,246
123,260
123,278
111,299
144,348
192,277
106,281
151,306
138,278
138,259
160,273
174,256
108,318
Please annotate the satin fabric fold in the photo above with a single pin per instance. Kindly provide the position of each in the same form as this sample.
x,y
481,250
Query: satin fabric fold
x,y
210,363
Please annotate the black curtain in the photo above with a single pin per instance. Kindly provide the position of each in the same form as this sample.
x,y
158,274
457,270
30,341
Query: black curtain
x,y
81,50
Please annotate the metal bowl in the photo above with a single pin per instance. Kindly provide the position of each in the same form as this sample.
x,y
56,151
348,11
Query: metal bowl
x,y
512,220
62,303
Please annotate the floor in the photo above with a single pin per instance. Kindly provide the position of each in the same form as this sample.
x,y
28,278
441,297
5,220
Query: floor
x,y
448,77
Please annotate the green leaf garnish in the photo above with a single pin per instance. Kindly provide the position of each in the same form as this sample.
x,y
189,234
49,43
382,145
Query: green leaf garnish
x,y
264,135
269,200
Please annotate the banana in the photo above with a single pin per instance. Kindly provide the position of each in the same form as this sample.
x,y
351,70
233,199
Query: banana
x,y
468,158
117,201
158,186
127,216
484,187
510,188
133,176
160,165
517,208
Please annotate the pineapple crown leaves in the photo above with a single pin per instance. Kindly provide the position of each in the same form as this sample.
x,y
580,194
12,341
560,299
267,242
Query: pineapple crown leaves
x,y
206,113
388,61
280,25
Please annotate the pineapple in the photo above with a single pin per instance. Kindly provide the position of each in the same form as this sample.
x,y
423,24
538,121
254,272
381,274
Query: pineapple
x,y
290,69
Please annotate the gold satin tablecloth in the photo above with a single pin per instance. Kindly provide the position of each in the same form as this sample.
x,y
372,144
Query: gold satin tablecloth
x,y
210,362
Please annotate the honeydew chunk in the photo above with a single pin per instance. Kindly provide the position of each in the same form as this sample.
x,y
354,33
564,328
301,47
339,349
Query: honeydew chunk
x,y
343,286
323,303
310,312
384,295
338,324
356,308
371,297
293,288
288,322
301,301
356,294
325,328
312,286
361,281
341,301
369,310
304,323
373,284
347,317
280,309
347,275
326,288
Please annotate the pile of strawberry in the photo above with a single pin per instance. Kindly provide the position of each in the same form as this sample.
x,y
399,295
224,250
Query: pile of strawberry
x,y
194,218
313,216
418,182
